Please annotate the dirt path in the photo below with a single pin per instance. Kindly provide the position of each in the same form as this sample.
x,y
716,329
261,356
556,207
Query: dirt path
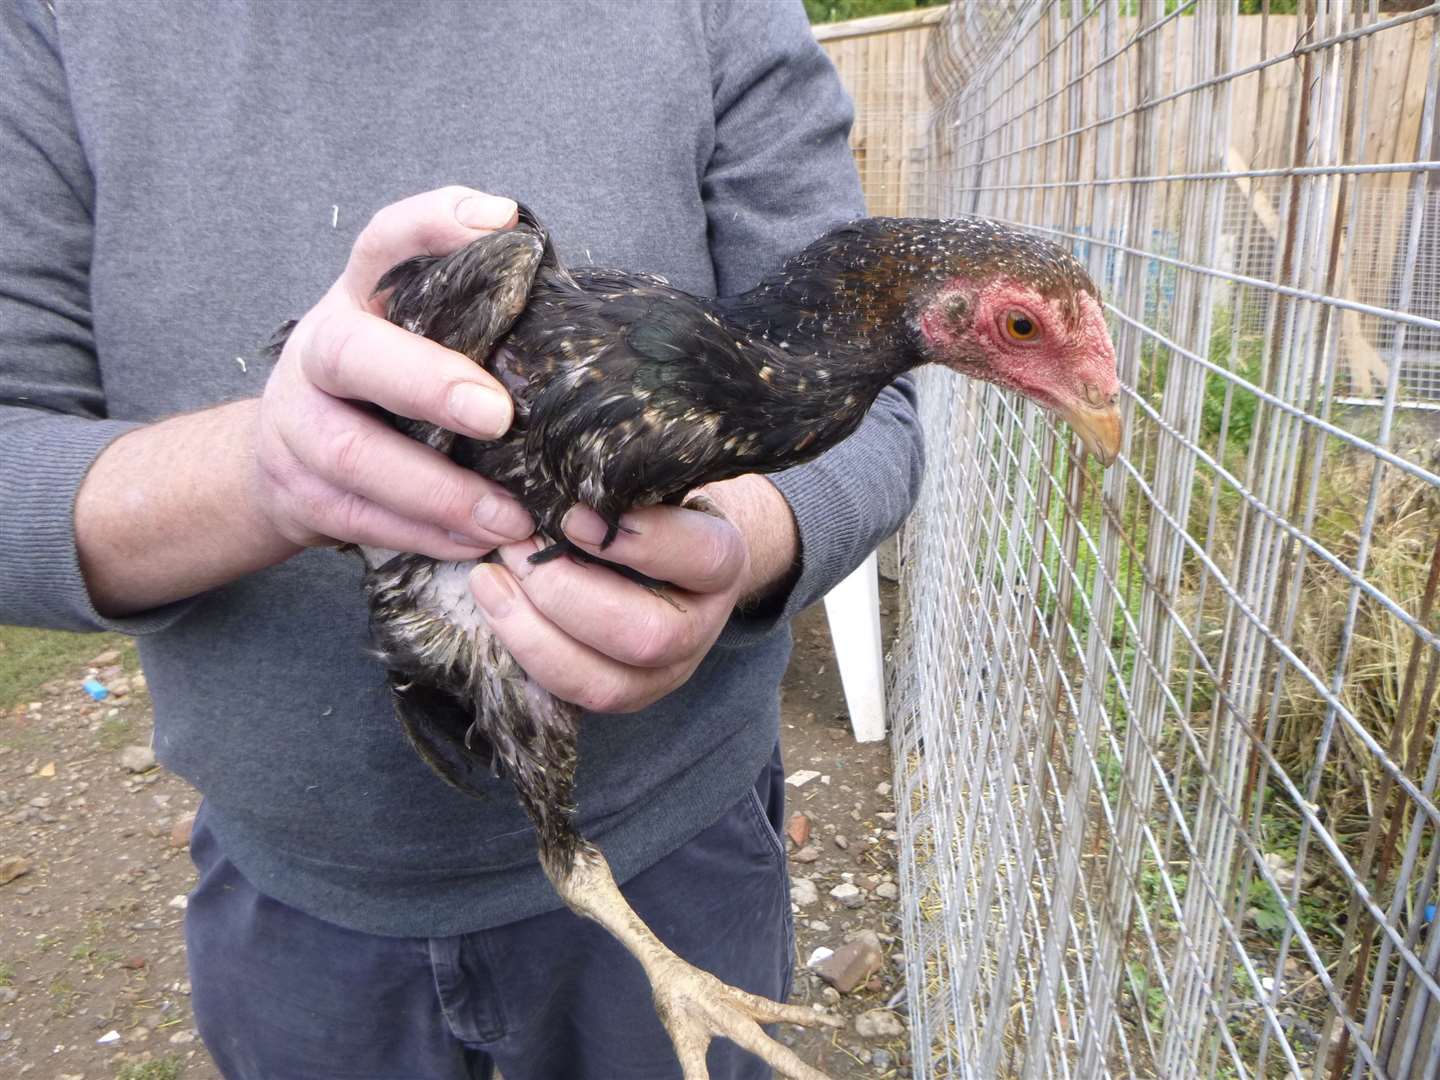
x,y
92,965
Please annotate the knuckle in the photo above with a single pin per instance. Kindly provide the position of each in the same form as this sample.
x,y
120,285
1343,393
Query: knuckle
x,y
329,347
450,499
373,240
605,694
720,559
652,641
342,516
349,452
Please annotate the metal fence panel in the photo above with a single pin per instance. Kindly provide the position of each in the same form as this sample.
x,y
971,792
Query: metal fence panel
x,y
1165,735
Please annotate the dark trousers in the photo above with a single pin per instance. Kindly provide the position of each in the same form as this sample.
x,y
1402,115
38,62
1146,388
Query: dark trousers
x,y
281,995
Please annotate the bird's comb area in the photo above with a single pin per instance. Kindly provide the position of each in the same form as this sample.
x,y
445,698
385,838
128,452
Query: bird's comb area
x,y
985,248
870,266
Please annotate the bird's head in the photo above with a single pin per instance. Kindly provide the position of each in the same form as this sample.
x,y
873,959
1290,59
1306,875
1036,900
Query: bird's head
x,y
1019,312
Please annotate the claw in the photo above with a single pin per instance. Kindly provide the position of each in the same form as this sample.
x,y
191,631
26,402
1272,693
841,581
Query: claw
x,y
694,1005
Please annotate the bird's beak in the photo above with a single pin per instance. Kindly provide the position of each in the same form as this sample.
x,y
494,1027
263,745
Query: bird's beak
x,y
1100,429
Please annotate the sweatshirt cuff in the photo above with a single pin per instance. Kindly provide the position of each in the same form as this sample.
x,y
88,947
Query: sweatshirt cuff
x,y
44,462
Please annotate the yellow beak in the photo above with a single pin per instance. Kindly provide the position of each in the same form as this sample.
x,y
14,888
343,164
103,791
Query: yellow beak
x,y
1100,429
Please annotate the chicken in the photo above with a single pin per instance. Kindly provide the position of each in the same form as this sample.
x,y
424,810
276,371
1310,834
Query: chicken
x,y
630,393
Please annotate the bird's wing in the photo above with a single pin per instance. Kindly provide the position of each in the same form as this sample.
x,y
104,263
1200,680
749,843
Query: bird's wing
x,y
649,389
467,300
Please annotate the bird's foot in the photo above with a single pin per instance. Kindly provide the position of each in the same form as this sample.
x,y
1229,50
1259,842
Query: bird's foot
x,y
695,1007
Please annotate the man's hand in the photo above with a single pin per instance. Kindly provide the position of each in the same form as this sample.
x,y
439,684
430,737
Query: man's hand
x,y
177,507
602,641
327,468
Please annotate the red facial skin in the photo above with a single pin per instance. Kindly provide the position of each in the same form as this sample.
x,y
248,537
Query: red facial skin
x,y
1067,363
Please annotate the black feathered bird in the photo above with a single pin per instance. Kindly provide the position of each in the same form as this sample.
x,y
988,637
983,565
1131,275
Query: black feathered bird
x,y
629,393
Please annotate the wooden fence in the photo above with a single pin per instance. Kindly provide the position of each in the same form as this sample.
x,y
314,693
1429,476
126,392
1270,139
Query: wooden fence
x,y
882,63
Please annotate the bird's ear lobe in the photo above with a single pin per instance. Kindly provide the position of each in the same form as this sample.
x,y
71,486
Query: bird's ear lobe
x,y
944,324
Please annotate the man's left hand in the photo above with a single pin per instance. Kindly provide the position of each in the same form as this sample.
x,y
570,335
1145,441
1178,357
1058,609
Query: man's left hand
x,y
608,644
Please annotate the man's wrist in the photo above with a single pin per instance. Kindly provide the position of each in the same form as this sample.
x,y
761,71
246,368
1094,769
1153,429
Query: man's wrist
x,y
169,510
756,507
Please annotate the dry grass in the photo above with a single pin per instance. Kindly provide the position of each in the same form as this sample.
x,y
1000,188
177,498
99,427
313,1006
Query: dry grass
x,y
1385,672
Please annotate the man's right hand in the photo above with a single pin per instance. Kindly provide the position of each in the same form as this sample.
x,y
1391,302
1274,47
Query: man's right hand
x,y
180,506
327,468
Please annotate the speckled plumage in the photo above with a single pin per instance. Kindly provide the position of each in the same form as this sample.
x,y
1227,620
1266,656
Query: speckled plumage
x,y
628,393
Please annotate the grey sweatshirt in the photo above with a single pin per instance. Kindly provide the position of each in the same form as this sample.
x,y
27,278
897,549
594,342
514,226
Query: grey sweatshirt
x,y
178,178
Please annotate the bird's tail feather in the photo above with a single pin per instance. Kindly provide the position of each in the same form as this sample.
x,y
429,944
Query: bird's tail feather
x,y
474,712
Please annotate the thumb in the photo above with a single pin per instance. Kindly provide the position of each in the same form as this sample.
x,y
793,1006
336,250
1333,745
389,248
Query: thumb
x,y
434,223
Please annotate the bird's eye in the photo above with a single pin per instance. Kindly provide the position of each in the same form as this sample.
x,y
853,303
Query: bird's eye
x,y
1020,326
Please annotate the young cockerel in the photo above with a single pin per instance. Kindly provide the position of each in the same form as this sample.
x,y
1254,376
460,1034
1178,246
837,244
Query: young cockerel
x,y
630,393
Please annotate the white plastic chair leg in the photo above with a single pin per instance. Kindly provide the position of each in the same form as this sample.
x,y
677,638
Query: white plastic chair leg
x,y
853,611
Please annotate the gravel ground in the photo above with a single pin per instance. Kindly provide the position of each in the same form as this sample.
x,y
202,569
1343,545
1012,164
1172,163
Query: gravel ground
x,y
93,875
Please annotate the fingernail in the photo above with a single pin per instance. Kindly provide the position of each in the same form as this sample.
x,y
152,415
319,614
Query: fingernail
x,y
485,211
503,515
583,525
470,541
493,590
478,410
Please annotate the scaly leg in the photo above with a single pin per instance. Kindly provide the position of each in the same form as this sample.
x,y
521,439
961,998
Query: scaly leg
x,y
693,1005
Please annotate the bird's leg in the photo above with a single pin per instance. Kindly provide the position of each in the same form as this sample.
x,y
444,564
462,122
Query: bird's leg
x,y
693,1005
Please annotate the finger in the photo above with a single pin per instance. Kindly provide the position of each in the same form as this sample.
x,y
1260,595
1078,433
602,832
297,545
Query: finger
x,y
568,668
353,354
696,551
433,223
613,615
349,518
359,453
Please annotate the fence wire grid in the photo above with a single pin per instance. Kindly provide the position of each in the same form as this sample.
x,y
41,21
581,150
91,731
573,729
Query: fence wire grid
x,y
1165,735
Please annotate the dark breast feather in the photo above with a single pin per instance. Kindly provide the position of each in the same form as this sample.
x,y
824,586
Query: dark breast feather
x,y
648,395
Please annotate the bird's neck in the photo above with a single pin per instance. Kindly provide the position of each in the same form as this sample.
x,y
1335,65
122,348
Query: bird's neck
x,y
833,355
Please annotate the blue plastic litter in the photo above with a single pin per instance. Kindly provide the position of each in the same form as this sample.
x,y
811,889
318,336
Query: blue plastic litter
x,y
96,689
1429,912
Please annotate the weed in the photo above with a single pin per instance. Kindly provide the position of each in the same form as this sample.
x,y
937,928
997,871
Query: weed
x,y
115,732
166,1068
65,995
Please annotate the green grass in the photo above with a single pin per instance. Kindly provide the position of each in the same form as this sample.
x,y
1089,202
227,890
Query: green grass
x,y
824,11
64,995
166,1068
30,658
116,732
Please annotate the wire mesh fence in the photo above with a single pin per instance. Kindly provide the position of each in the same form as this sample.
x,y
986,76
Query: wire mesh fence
x,y
1165,735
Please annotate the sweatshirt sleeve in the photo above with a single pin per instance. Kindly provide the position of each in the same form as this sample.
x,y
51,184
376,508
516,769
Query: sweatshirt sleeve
x,y
781,173
53,421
